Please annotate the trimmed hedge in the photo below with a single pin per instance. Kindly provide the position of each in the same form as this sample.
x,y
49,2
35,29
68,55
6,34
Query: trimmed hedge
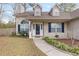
x,y
62,46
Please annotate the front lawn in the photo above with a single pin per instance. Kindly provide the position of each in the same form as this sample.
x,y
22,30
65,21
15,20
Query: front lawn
x,y
18,46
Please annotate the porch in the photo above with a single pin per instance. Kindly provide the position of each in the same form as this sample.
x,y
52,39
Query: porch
x,y
39,29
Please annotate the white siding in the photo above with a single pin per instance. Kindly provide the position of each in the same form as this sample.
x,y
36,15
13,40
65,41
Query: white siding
x,y
56,12
73,29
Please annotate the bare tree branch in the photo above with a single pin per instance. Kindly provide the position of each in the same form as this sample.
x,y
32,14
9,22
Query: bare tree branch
x,y
67,7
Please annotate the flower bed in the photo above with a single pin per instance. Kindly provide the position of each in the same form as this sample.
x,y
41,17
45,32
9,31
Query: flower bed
x,y
62,46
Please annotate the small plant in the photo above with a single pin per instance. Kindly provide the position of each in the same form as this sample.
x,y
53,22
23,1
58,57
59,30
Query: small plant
x,y
75,50
62,46
45,38
24,33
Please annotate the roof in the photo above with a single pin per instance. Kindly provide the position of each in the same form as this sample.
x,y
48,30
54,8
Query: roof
x,y
55,6
75,14
63,17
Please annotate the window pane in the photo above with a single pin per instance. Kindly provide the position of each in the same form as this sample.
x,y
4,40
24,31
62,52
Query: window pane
x,y
24,27
52,29
59,29
56,27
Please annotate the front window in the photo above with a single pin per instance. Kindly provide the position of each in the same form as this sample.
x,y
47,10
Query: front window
x,y
24,26
56,27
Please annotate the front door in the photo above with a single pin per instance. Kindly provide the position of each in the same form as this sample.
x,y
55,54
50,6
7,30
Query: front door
x,y
37,29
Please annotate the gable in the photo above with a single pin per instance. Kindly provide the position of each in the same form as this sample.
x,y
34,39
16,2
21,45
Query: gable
x,y
37,10
55,11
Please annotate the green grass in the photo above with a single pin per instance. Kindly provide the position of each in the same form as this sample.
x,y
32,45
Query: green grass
x,y
18,46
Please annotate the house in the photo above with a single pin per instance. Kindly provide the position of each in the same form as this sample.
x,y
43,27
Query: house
x,y
53,23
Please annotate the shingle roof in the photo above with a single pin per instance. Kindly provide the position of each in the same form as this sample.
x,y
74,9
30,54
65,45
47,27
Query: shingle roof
x,y
46,16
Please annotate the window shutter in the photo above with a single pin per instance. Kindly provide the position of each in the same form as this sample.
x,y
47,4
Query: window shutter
x,y
62,27
18,27
49,27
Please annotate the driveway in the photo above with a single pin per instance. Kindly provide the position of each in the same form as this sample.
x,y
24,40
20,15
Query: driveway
x,y
48,49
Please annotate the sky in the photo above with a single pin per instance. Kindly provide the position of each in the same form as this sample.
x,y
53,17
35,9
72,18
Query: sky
x,y
8,14
45,7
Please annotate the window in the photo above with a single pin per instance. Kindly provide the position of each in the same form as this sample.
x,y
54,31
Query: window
x,y
56,27
24,26
37,12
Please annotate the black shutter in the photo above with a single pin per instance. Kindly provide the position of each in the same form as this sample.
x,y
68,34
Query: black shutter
x,y
62,27
49,27
18,28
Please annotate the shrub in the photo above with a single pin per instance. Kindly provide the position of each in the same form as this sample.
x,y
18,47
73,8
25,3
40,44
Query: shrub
x,y
24,33
75,50
49,40
62,46
68,48
55,43
45,38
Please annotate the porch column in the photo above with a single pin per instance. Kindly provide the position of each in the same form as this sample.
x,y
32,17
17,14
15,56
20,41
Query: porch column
x,y
30,36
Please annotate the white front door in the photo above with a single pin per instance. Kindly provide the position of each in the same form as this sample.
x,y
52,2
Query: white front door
x,y
38,29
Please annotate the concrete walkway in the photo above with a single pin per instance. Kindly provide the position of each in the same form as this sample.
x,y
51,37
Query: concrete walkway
x,y
48,49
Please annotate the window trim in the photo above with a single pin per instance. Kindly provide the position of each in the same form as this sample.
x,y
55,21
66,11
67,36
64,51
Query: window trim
x,y
34,26
41,26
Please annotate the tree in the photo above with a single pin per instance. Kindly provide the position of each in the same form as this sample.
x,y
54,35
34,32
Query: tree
x,y
25,6
32,4
1,13
67,7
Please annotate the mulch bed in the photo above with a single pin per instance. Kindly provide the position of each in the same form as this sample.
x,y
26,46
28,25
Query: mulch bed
x,y
69,42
